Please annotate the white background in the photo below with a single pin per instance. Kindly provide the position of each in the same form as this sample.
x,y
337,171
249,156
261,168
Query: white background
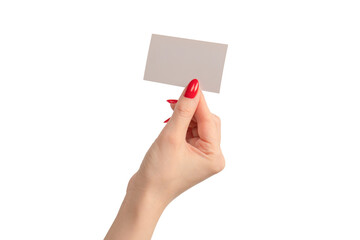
x,y
76,118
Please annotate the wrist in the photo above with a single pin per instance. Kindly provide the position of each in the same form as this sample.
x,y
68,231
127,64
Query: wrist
x,y
142,192
138,214
147,201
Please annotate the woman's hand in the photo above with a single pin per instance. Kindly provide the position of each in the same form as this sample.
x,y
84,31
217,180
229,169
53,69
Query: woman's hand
x,y
186,152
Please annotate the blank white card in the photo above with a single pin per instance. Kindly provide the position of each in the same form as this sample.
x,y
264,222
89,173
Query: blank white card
x,y
177,61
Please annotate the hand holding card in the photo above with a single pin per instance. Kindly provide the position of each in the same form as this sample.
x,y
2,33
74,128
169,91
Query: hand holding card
x,y
187,151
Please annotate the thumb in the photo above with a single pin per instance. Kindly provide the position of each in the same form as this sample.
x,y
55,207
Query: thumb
x,y
184,109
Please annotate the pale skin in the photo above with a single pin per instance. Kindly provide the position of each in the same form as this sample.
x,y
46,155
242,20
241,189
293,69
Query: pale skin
x,y
186,152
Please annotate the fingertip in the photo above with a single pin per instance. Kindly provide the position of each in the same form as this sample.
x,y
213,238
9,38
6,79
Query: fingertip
x,y
172,101
192,88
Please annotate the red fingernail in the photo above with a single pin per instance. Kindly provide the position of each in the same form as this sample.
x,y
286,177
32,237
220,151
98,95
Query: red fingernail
x,y
172,101
192,89
166,120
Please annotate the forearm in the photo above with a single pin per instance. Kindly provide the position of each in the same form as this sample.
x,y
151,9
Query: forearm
x,y
137,217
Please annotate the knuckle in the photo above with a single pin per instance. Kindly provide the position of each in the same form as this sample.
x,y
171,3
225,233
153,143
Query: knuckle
x,y
218,164
217,119
183,111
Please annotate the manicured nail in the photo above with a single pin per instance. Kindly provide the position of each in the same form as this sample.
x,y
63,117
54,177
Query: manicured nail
x,y
192,89
172,101
166,120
